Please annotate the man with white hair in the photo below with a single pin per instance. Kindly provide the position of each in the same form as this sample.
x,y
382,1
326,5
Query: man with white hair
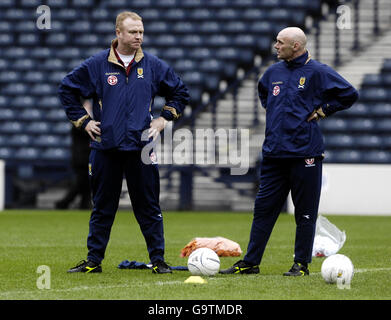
x,y
295,92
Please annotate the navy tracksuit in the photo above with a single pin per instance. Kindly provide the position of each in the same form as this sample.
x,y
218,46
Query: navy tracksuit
x,y
122,102
293,148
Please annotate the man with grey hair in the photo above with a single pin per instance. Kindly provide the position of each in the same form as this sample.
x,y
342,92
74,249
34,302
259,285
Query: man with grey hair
x,y
295,92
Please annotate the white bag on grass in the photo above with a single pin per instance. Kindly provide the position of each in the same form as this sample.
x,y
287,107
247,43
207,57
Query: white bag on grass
x,y
328,238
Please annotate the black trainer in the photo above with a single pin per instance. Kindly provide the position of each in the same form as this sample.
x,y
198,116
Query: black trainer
x,y
297,270
86,267
161,267
241,267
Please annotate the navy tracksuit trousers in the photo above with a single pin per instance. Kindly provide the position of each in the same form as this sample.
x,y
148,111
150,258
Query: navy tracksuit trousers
x,y
303,177
107,170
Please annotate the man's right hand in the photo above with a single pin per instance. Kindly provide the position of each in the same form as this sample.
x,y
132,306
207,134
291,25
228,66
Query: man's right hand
x,y
93,129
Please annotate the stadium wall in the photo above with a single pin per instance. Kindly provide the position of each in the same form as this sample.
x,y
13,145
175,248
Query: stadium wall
x,y
348,189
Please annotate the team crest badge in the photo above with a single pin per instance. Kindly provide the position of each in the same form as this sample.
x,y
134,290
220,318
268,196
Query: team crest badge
x,y
140,73
310,162
301,83
112,80
276,90
153,157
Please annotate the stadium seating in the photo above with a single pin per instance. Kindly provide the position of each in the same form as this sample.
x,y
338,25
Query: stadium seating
x,y
206,41
361,133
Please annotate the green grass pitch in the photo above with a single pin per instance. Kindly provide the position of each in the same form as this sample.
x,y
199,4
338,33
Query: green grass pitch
x,y
57,239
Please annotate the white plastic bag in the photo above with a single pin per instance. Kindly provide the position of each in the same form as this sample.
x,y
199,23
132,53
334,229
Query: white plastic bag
x,y
328,238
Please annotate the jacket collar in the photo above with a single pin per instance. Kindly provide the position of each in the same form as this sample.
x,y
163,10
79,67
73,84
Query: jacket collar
x,y
113,58
299,61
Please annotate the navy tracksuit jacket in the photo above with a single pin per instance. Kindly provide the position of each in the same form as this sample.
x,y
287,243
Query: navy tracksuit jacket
x,y
293,148
122,102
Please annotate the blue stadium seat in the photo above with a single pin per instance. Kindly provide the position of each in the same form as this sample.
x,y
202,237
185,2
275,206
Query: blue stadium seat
x,y
374,95
62,127
165,40
5,27
6,40
49,102
235,27
31,115
11,127
173,15
386,66
30,3
200,53
372,80
19,140
227,14
34,77
333,125
150,14
56,115
56,154
86,40
4,64
100,14
6,153
16,52
29,40
384,125
357,110
4,101
260,27
185,65
386,79
349,156
193,78
83,3
191,40
209,27
47,140
218,4
15,14
57,3
22,64
24,26
377,156
57,39
56,77
184,27
66,14
166,4
201,14
361,125
41,53
105,27
368,142
37,127
81,27
27,153
191,4
386,141
7,114
22,102
42,89
218,40
14,89
157,27
9,76
338,141
68,53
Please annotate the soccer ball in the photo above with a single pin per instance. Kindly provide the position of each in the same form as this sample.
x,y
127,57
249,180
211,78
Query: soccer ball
x,y
337,268
203,261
